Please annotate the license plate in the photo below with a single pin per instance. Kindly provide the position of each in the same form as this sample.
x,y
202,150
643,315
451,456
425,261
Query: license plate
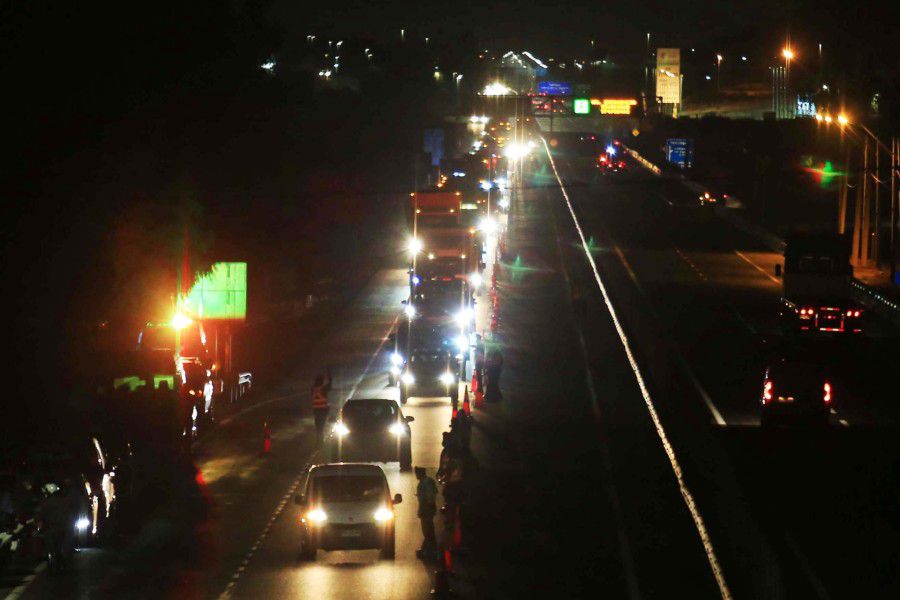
x,y
351,533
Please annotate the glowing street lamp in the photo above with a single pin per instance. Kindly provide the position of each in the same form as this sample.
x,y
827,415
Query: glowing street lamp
x,y
788,54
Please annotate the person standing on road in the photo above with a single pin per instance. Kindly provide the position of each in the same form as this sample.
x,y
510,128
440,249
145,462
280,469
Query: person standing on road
x,y
426,492
319,399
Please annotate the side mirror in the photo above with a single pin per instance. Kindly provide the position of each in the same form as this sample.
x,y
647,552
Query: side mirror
x,y
299,500
778,270
398,498
409,419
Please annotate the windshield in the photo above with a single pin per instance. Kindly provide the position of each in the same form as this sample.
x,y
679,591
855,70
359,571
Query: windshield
x,y
347,488
369,412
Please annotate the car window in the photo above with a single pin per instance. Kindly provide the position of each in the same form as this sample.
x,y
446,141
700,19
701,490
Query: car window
x,y
795,374
347,488
368,411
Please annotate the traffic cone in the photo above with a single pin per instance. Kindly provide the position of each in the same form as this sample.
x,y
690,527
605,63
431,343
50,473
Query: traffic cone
x,y
267,439
466,407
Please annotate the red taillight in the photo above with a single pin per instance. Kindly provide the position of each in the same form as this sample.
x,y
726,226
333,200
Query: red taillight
x,y
855,313
807,311
767,392
827,397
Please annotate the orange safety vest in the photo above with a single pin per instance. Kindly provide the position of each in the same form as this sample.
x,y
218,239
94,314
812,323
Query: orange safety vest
x,y
319,399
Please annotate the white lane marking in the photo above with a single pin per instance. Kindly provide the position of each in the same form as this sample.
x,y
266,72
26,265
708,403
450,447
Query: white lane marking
x,y
226,594
27,581
714,411
613,494
757,267
691,264
844,422
815,582
686,494
706,280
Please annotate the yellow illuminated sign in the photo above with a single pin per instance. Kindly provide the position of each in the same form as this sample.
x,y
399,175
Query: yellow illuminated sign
x,y
614,106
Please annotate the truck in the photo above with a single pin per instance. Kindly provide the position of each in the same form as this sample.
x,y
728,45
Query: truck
x,y
440,208
816,276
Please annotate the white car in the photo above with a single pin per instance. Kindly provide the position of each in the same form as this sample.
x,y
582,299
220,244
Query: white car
x,y
347,506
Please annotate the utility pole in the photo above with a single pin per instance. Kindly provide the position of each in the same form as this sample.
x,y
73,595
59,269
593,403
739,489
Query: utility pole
x,y
893,209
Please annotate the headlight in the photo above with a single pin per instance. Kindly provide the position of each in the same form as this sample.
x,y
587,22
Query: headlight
x,y
82,524
340,429
397,429
447,378
383,514
408,378
476,280
462,343
395,371
396,359
317,515
464,317
410,311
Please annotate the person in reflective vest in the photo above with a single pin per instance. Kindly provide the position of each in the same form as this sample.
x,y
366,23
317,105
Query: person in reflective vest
x,y
319,399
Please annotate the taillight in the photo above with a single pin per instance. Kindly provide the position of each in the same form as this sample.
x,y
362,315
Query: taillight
x,y
767,392
827,397
807,311
855,313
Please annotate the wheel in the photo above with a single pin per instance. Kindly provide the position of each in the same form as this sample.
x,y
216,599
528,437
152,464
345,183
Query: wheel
x,y
406,458
388,551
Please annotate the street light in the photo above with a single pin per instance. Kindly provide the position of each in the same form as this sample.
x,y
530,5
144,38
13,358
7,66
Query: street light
x,y
788,54
719,59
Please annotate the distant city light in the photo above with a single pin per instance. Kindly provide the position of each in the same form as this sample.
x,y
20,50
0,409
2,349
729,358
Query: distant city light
x,y
269,66
744,58
707,77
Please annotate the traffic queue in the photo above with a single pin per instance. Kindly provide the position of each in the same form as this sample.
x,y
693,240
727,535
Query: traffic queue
x,y
435,351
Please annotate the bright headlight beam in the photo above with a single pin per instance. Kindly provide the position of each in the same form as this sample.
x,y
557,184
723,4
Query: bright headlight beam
x,y
397,429
407,378
383,514
340,429
446,378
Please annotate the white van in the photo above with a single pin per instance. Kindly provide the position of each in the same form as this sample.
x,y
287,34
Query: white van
x,y
347,506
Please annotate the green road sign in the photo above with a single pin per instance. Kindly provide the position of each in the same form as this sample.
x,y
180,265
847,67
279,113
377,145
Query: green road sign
x,y
581,106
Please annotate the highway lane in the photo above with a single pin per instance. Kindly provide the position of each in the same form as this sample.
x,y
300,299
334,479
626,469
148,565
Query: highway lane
x,y
707,290
575,494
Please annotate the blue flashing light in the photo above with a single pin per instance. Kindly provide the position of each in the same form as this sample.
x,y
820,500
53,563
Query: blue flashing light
x,y
611,150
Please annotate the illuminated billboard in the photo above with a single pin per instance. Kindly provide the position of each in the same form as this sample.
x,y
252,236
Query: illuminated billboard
x,y
668,75
219,294
614,106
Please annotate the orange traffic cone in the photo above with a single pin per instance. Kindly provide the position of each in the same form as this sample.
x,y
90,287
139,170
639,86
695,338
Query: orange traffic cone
x,y
267,439
466,407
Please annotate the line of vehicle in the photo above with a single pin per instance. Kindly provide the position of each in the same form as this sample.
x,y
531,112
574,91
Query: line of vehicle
x,y
625,553
235,577
686,494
